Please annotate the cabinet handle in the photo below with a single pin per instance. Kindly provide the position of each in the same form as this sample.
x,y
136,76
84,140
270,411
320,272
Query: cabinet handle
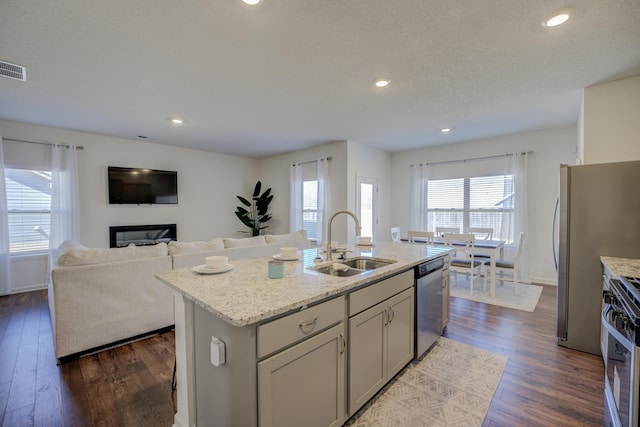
x,y
312,324
393,314
386,316
344,343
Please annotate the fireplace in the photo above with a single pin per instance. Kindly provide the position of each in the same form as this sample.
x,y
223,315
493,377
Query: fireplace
x,y
141,235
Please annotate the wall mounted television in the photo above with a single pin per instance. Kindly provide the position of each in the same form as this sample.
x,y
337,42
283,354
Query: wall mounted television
x,y
139,186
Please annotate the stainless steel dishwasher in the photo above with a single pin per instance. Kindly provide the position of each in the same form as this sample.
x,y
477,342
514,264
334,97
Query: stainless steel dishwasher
x,y
428,304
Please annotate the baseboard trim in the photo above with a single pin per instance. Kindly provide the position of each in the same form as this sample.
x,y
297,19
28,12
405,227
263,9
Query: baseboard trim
x,y
29,288
544,281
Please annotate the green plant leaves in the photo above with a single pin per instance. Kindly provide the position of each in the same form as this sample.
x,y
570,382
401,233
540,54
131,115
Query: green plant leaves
x,y
257,214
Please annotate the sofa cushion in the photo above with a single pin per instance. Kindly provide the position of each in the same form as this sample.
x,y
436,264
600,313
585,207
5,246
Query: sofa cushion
x,y
188,247
74,254
299,236
241,243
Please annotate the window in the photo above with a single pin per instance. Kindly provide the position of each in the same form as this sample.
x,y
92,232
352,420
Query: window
x,y
29,209
310,208
486,201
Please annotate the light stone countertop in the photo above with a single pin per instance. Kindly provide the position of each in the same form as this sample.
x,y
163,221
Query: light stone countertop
x,y
622,266
246,295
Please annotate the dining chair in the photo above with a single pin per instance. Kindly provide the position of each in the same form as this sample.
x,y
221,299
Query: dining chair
x,y
420,237
395,234
482,233
509,267
463,258
441,230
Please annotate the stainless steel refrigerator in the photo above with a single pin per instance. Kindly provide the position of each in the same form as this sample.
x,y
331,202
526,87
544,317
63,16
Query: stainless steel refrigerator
x,y
598,215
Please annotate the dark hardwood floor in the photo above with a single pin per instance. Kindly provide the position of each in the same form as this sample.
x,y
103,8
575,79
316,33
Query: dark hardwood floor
x,y
543,384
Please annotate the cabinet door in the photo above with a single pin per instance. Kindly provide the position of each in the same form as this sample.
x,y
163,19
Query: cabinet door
x,y
446,302
304,385
400,331
367,370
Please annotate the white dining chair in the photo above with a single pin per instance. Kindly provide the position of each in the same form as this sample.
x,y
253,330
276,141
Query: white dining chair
x,y
395,234
420,237
482,233
440,231
509,267
463,258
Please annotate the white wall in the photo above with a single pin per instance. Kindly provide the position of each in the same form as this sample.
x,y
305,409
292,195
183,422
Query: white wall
x,y
551,148
207,187
274,172
611,123
371,163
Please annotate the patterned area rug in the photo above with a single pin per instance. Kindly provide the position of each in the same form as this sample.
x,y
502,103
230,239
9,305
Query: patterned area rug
x,y
452,385
526,300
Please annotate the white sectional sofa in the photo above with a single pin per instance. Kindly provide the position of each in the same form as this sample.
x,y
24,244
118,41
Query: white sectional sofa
x,y
104,297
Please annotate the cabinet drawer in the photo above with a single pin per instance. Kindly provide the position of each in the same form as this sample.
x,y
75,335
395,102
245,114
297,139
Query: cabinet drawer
x,y
373,294
289,329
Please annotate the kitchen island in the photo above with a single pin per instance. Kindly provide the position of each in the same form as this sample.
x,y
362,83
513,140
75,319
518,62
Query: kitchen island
x,y
247,346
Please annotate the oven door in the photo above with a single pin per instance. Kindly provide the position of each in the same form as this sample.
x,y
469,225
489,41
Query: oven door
x,y
621,385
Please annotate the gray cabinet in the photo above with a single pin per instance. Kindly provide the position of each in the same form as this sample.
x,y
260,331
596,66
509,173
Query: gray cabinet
x,y
304,384
381,336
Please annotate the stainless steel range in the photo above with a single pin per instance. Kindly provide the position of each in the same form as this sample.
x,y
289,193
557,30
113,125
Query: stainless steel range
x,y
621,323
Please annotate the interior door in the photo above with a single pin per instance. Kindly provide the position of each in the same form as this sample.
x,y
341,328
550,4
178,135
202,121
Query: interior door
x,y
367,205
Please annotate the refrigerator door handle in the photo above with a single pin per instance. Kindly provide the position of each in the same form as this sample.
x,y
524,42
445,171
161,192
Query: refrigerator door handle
x,y
564,212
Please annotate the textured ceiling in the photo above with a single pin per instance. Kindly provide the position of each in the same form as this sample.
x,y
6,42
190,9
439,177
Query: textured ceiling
x,y
291,74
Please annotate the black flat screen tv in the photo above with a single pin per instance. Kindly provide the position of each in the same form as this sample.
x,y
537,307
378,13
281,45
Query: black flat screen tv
x,y
138,186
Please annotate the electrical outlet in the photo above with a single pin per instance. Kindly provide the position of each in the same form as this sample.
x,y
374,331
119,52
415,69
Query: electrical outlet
x,y
218,352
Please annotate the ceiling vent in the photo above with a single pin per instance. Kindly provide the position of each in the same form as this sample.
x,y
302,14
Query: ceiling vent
x,y
13,71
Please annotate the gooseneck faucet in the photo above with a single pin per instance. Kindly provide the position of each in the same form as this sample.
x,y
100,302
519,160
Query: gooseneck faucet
x,y
358,229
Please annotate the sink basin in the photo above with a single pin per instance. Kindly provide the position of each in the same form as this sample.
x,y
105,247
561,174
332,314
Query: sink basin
x,y
366,263
341,273
356,266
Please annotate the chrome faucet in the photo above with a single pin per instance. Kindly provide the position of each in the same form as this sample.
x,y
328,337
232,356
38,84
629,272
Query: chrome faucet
x,y
358,229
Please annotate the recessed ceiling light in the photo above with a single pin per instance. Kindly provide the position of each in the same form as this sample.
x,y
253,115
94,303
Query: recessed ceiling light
x,y
558,18
382,82
445,130
251,2
177,121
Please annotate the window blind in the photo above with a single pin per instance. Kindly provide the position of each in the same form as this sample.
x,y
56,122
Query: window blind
x,y
485,201
29,209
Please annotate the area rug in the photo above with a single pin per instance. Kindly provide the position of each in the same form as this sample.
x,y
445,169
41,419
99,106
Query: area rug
x,y
526,300
452,385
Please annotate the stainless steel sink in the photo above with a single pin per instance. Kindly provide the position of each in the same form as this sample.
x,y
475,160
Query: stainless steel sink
x,y
341,273
356,266
366,263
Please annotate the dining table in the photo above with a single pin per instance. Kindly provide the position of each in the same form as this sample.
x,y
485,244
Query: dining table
x,y
493,248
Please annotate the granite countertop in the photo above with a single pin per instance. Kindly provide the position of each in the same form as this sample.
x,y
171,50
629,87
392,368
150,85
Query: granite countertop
x,y
622,266
246,295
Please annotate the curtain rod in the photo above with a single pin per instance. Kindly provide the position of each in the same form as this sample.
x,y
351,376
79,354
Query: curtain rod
x,y
524,153
79,147
311,161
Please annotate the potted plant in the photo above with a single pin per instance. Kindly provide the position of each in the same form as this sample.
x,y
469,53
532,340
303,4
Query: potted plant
x,y
255,213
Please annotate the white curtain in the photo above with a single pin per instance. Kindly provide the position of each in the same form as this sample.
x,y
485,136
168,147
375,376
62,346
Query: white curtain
x,y
324,195
65,204
5,259
419,187
518,167
295,209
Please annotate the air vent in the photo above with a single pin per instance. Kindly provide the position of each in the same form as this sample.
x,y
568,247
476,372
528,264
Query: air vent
x,y
13,71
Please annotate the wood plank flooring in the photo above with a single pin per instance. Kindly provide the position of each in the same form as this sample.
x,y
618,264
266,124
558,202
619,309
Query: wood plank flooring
x,y
543,384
